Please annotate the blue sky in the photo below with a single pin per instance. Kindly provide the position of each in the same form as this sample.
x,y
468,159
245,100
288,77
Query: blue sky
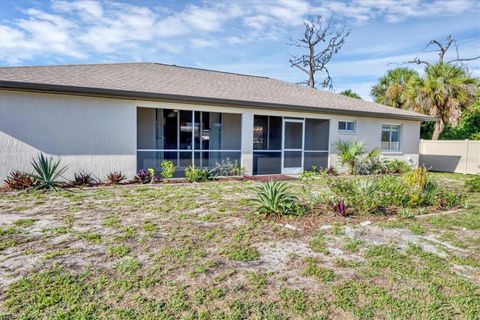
x,y
244,36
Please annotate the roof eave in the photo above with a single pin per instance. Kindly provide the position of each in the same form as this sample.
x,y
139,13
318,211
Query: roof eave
x,y
138,95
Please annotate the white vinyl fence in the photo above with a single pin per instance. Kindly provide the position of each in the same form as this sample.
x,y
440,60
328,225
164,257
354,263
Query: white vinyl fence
x,y
461,156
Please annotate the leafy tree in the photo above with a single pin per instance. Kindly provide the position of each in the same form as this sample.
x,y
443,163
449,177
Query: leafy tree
x,y
391,88
444,92
468,127
351,94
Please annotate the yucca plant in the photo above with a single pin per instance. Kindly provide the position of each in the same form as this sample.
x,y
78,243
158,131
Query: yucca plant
x,y
275,198
47,173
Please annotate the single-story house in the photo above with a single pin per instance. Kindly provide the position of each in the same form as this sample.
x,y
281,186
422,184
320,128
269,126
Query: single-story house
x,y
123,117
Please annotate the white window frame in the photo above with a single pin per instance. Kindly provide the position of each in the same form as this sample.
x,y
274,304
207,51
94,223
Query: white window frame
x,y
346,131
400,129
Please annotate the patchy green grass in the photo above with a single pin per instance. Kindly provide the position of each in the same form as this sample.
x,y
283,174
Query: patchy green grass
x,y
197,251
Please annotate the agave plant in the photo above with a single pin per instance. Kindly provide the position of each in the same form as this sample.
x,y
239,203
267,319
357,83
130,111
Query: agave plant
x,y
274,197
47,173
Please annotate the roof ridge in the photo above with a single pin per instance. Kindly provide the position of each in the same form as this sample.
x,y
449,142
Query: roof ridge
x,y
144,62
211,70
75,64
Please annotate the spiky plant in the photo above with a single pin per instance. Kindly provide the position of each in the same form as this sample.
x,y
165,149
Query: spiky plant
x,y
83,178
349,153
115,177
18,180
47,173
275,198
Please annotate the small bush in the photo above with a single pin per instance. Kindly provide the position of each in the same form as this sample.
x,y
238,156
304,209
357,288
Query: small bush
x,y
354,156
144,176
318,173
18,180
47,173
448,199
396,166
473,185
194,174
115,177
168,169
83,178
227,168
274,197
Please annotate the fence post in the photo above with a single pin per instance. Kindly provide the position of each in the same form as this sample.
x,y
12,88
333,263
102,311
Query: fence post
x,y
466,156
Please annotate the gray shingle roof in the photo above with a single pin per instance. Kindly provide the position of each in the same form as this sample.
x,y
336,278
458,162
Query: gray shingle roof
x,y
160,81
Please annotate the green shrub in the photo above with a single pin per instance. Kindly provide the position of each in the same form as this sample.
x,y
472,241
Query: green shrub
x,y
379,195
396,166
168,169
47,173
353,154
18,180
194,174
473,184
361,194
227,168
274,197
349,153
449,198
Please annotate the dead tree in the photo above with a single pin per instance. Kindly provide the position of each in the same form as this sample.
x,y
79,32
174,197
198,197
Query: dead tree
x,y
323,39
442,50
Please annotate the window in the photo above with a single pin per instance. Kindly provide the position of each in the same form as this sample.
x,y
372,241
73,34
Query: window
x,y
390,137
346,126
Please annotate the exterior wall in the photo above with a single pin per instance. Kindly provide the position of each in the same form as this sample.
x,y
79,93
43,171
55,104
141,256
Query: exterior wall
x,y
370,130
461,156
92,134
98,135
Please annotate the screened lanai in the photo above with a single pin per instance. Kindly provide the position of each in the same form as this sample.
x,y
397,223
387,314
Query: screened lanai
x,y
186,137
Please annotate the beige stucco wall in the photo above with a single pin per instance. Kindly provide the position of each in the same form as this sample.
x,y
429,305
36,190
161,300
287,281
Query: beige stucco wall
x,y
99,134
92,134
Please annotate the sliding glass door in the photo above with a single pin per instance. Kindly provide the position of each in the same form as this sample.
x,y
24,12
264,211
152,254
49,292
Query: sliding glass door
x,y
186,137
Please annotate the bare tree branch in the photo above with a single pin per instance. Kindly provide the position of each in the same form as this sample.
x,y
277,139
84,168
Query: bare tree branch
x,y
463,59
417,61
318,31
442,50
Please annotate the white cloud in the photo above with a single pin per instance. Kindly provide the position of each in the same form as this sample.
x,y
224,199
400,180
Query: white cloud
x,y
80,29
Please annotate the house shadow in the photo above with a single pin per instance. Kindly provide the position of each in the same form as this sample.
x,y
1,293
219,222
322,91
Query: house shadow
x,y
442,163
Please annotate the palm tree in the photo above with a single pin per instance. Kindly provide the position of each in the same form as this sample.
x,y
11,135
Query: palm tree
x,y
443,92
391,88
351,94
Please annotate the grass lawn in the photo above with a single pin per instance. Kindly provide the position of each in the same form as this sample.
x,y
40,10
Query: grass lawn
x,y
198,251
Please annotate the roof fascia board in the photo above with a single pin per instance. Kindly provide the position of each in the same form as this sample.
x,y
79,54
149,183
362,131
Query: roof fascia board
x,y
137,95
